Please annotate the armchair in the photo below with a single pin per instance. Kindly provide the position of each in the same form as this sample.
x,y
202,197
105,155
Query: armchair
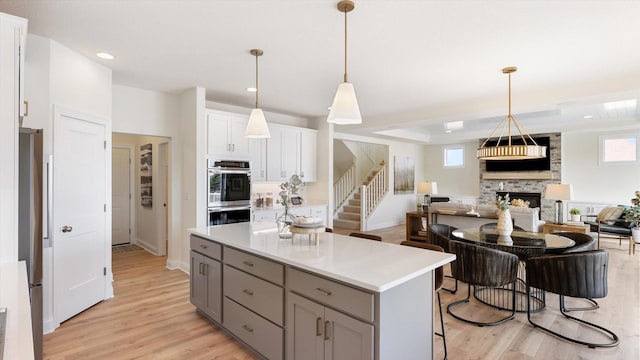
x,y
611,221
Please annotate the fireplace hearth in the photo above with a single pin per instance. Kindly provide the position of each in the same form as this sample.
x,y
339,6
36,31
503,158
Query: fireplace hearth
x,y
534,198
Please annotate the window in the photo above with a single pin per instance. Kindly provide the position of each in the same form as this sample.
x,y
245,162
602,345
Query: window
x,y
619,148
454,156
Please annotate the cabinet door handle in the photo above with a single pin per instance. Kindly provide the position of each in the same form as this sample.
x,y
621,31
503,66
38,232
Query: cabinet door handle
x,y
248,328
248,263
323,291
26,108
233,147
319,326
200,268
247,291
262,173
301,173
203,246
204,269
327,329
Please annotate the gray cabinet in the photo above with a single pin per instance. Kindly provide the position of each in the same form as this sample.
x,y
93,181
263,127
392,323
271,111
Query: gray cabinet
x,y
206,277
206,285
314,327
318,332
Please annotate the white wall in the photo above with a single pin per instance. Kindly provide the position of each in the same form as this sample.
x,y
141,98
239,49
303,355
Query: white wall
x,y
271,117
592,181
145,112
56,75
462,181
393,207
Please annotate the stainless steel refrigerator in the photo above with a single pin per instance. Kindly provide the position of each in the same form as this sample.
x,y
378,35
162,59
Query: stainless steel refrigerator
x,y
30,223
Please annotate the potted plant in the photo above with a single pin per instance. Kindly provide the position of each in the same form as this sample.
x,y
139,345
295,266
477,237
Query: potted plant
x,y
288,189
575,214
632,213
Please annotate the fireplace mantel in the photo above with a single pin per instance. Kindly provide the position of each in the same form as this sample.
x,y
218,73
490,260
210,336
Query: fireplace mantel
x,y
519,175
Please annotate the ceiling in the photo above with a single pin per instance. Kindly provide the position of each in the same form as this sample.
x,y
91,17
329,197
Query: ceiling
x,y
414,64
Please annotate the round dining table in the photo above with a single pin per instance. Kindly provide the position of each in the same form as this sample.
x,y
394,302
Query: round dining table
x,y
524,244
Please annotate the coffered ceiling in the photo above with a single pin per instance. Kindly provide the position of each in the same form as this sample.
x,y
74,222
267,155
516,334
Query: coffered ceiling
x,y
415,65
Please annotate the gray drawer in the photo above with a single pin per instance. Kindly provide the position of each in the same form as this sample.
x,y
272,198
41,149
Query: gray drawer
x,y
342,297
262,297
206,247
260,334
255,265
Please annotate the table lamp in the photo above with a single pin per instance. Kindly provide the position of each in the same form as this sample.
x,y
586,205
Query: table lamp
x,y
427,188
559,192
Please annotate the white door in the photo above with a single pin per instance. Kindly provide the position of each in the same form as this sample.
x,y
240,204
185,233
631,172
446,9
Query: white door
x,y
120,196
79,209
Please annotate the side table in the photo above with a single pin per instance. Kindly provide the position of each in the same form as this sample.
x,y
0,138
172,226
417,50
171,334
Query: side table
x,y
549,228
414,225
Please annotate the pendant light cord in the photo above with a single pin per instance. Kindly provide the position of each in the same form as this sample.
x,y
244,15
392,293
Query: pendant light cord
x,y
345,47
256,81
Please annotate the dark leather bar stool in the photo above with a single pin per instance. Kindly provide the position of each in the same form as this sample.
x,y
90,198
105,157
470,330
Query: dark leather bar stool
x,y
580,275
440,234
439,280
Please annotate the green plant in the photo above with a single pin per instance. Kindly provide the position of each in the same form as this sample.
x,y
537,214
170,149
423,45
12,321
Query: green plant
x,y
503,203
574,211
632,213
289,188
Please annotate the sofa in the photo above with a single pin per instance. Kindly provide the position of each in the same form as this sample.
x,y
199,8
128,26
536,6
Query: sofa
x,y
526,218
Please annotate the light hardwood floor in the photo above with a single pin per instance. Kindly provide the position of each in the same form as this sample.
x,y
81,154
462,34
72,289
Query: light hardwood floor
x,y
151,318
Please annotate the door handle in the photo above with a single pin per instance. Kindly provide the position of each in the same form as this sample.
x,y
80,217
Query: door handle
x,y
66,229
327,329
319,326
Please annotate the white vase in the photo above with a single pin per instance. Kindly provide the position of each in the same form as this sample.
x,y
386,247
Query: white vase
x,y
505,225
575,217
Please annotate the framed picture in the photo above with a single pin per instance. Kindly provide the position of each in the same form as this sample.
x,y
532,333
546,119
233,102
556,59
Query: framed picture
x,y
296,200
403,175
146,181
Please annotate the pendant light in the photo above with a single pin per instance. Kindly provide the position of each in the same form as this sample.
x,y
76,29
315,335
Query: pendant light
x,y
527,149
345,110
257,126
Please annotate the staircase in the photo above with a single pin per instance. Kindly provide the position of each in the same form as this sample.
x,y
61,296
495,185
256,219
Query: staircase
x,y
349,217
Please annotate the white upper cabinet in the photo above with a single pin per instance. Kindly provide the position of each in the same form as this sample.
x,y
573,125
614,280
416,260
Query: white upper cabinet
x,y
308,154
225,134
291,150
258,153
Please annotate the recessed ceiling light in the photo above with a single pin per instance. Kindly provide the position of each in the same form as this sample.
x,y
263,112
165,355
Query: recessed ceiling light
x,y
588,116
447,131
106,56
252,89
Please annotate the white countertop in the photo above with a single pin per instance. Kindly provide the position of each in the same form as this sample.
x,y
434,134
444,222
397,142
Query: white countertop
x,y
14,295
372,265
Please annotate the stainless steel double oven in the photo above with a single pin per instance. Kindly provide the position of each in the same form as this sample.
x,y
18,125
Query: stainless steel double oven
x,y
229,194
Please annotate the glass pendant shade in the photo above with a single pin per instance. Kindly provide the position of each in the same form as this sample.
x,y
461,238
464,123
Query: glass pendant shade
x,y
345,110
257,126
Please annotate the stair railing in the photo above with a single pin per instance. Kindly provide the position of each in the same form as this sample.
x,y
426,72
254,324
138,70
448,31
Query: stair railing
x,y
372,194
344,187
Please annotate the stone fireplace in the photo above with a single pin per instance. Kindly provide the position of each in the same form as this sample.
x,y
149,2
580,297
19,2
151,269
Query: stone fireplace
x,y
524,182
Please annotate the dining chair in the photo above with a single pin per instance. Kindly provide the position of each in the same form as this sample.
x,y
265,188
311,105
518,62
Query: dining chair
x,y
587,279
437,286
440,234
366,236
483,266
583,242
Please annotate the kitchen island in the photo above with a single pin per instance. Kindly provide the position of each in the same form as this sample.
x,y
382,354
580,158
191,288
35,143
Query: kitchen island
x,y
345,298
